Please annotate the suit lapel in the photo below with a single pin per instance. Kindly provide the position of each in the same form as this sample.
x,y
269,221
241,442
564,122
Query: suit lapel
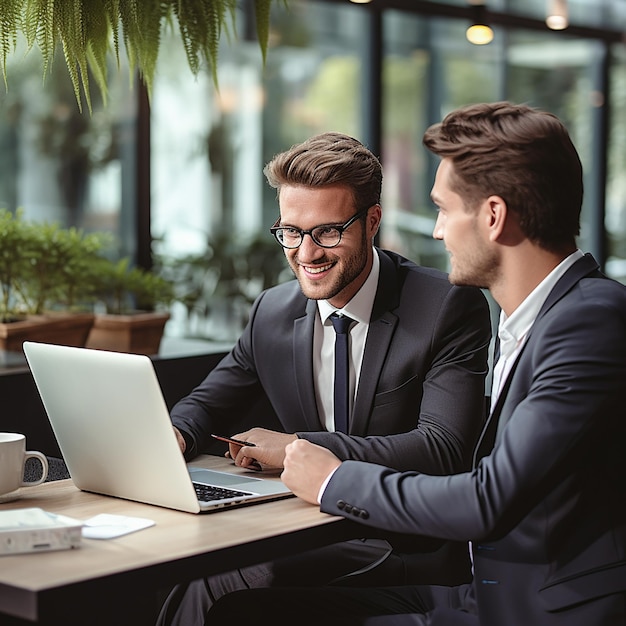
x,y
379,335
488,435
583,267
303,365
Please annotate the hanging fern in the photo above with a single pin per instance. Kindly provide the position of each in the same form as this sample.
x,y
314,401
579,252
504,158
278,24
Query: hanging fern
x,y
88,31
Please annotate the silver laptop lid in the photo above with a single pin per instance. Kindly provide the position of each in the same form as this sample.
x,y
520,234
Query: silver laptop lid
x,y
113,428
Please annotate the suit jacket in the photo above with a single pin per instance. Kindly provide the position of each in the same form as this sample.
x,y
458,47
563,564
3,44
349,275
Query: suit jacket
x,y
545,510
426,346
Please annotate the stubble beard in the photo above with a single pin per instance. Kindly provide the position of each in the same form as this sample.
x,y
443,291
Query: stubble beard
x,y
329,288
481,270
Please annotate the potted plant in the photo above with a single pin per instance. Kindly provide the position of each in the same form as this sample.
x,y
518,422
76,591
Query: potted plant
x,y
135,303
46,277
52,279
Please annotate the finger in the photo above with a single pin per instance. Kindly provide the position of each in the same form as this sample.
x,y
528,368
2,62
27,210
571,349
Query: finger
x,y
247,462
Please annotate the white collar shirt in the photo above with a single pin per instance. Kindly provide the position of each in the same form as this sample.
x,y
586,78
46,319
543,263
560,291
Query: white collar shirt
x,y
359,309
513,330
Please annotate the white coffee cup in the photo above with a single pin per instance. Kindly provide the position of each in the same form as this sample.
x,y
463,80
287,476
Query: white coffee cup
x,y
13,457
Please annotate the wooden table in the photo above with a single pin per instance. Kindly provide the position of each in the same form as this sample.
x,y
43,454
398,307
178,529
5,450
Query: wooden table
x,y
115,581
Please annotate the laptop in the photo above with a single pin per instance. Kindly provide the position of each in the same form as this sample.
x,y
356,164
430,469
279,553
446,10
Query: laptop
x,y
114,431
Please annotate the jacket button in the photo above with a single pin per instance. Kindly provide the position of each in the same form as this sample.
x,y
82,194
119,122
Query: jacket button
x,y
364,515
341,504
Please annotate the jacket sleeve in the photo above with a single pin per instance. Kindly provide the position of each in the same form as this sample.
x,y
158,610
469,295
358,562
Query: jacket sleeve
x,y
563,435
228,392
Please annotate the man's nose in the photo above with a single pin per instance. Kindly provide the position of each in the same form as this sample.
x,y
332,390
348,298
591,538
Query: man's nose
x,y
309,249
438,229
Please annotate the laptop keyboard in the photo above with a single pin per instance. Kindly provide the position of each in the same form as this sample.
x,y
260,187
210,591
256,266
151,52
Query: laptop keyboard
x,y
207,493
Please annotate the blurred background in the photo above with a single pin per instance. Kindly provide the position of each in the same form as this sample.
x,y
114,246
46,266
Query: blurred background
x,y
177,177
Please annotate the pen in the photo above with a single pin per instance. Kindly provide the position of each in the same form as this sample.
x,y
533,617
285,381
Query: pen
x,y
237,442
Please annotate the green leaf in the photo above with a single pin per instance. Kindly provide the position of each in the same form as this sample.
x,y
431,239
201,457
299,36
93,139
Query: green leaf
x,y
262,14
88,32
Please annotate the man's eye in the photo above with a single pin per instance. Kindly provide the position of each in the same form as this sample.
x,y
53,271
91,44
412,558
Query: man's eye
x,y
326,231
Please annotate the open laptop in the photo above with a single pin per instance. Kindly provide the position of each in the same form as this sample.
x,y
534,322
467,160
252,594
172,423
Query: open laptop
x,y
113,428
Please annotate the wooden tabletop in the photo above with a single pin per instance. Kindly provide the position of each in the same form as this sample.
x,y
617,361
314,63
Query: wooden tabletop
x,y
179,546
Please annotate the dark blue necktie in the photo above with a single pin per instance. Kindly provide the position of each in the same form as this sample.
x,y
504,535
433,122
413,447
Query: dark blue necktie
x,y
341,324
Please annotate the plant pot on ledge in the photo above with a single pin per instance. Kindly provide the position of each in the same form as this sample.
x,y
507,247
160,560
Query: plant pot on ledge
x,y
68,329
135,311
49,273
138,333
45,282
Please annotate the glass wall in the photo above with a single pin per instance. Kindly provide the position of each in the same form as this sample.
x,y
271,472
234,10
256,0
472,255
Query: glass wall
x,y
615,217
60,165
209,197
209,206
429,69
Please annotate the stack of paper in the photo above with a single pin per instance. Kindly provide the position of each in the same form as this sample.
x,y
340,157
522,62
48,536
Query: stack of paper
x,y
36,530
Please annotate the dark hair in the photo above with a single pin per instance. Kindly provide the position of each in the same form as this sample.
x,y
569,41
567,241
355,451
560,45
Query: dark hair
x,y
329,159
521,154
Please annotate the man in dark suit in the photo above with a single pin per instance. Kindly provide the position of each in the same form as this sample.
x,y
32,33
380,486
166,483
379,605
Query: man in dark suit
x,y
544,509
418,345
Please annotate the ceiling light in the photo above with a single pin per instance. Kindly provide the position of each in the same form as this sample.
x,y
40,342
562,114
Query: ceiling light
x,y
479,33
556,14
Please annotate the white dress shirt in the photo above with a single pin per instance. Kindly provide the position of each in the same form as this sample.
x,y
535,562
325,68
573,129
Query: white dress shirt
x,y
359,309
513,330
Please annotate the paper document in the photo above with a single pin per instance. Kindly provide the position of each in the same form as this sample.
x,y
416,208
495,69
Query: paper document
x,y
107,526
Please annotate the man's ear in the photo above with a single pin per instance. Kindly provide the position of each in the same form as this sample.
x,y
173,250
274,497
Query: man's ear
x,y
374,215
496,214
503,225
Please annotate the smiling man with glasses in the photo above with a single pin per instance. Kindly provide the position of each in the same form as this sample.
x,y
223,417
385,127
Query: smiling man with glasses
x,y
417,350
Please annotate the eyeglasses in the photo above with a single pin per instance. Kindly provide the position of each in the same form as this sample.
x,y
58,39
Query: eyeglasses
x,y
325,235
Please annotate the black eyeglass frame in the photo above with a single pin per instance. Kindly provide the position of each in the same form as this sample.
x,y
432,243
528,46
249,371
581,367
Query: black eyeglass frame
x,y
340,228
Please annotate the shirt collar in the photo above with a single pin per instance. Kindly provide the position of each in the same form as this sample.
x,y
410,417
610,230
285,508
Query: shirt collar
x,y
512,330
360,306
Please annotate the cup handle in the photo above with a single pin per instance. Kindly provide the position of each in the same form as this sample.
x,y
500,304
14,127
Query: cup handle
x,y
29,454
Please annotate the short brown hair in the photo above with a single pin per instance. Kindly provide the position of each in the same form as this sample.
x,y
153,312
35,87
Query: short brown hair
x,y
521,154
329,159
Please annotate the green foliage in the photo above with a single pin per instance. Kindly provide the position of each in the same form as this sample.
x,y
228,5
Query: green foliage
x,y
226,278
12,262
262,10
44,267
124,289
88,31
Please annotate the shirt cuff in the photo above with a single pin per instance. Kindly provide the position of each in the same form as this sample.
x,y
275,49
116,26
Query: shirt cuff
x,y
324,485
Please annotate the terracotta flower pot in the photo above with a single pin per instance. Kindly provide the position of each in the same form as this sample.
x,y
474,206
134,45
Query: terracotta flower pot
x,y
68,329
139,333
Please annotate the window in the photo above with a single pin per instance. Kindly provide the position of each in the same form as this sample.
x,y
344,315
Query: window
x,y
64,166
208,146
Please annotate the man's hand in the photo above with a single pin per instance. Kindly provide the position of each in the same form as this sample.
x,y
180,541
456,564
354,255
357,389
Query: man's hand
x,y
307,466
268,450
181,440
